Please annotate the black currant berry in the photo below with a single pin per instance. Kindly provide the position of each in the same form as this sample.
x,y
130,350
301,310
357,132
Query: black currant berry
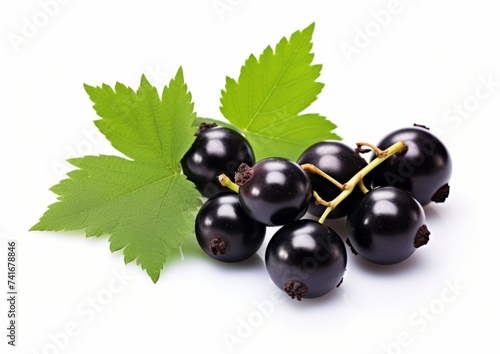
x,y
274,191
423,169
387,226
340,162
225,232
306,259
216,150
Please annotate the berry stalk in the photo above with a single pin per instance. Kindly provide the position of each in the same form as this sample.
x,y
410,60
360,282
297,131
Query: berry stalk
x,y
225,181
313,169
357,179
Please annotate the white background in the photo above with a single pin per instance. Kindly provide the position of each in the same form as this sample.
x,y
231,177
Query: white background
x,y
431,62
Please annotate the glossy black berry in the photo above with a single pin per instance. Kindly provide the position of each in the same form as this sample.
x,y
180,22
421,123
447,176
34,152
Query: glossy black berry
x,y
340,162
387,226
225,232
216,150
274,191
306,259
423,169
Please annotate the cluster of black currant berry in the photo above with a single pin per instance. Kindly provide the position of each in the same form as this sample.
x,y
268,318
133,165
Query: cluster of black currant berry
x,y
306,258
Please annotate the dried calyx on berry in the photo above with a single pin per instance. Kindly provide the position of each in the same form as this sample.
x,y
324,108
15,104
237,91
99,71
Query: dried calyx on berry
x,y
243,174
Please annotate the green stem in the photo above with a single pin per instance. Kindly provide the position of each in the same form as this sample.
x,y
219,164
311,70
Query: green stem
x,y
313,169
225,181
357,179
319,200
362,186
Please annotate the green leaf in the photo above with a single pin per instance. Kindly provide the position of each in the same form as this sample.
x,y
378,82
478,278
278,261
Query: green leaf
x,y
142,126
291,136
144,203
271,92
